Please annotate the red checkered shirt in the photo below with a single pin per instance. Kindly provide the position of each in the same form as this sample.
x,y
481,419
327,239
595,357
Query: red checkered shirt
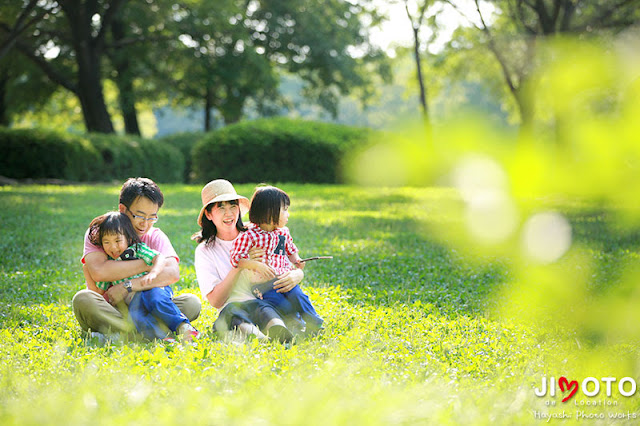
x,y
278,245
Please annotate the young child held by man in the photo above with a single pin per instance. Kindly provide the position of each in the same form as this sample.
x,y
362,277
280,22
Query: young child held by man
x,y
152,311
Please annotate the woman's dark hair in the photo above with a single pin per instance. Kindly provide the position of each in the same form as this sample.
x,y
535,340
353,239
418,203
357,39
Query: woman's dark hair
x,y
112,223
266,204
209,230
134,188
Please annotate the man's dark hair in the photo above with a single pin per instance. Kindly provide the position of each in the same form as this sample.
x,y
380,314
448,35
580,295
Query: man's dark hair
x,y
112,223
134,188
266,204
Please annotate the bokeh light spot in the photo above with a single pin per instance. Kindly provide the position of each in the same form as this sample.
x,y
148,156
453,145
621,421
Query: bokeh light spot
x,y
380,165
491,216
546,237
477,173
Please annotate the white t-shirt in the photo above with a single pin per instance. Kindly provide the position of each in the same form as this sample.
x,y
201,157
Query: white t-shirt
x,y
212,264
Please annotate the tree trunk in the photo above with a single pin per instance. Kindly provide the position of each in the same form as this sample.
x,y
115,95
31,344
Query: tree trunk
x,y
526,110
124,81
88,56
4,80
126,99
208,104
525,92
94,109
423,90
232,113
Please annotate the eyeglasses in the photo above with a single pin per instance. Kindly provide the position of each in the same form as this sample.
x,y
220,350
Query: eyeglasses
x,y
147,219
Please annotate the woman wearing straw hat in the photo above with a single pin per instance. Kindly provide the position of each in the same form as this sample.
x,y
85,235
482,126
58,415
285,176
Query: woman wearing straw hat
x,y
225,287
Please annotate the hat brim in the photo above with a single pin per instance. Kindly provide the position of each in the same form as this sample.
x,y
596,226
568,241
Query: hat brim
x,y
242,201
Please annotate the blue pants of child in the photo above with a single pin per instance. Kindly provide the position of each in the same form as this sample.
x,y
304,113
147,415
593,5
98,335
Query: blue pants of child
x,y
153,311
290,303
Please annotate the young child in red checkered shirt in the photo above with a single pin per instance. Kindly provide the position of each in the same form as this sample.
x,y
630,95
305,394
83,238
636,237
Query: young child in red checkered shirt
x,y
269,214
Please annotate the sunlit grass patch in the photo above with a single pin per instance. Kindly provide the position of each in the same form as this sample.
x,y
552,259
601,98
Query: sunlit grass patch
x,y
418,328
368,353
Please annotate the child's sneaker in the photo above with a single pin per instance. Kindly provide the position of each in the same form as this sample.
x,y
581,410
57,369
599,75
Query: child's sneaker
x,y
280,333
187,332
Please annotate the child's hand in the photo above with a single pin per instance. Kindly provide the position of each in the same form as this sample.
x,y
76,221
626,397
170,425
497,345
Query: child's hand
x,y
145,281
297,261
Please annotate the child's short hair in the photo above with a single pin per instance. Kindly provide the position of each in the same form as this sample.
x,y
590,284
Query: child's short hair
x,y
266,204
112,223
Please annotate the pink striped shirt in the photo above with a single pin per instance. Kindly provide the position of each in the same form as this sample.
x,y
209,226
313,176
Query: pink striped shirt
x,y
278,245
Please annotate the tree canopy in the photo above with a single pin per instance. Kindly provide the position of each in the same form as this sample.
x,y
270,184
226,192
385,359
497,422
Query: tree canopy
x,y
215,53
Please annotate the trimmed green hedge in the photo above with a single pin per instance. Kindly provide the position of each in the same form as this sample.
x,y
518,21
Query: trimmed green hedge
x,y
37,154
46,154
184,142
129,156
266,150
276,150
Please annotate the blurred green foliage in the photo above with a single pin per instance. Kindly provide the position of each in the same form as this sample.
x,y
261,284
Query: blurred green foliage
x,y
521,193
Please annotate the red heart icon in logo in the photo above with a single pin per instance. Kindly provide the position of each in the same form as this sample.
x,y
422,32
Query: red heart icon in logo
x,y
564,382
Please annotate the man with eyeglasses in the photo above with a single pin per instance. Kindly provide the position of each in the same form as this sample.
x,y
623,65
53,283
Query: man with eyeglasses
x,y
140,200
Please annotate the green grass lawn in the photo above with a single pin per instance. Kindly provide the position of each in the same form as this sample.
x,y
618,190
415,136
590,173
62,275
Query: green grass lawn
x,y
420,326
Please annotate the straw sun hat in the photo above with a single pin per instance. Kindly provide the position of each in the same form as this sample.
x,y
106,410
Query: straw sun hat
x,y
221,190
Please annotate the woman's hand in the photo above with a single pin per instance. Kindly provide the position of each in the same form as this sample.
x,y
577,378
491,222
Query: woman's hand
x,y
115,294
287,281
265,271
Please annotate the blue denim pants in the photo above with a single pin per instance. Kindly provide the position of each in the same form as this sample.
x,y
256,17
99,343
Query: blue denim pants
x,y
154,313
289,304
